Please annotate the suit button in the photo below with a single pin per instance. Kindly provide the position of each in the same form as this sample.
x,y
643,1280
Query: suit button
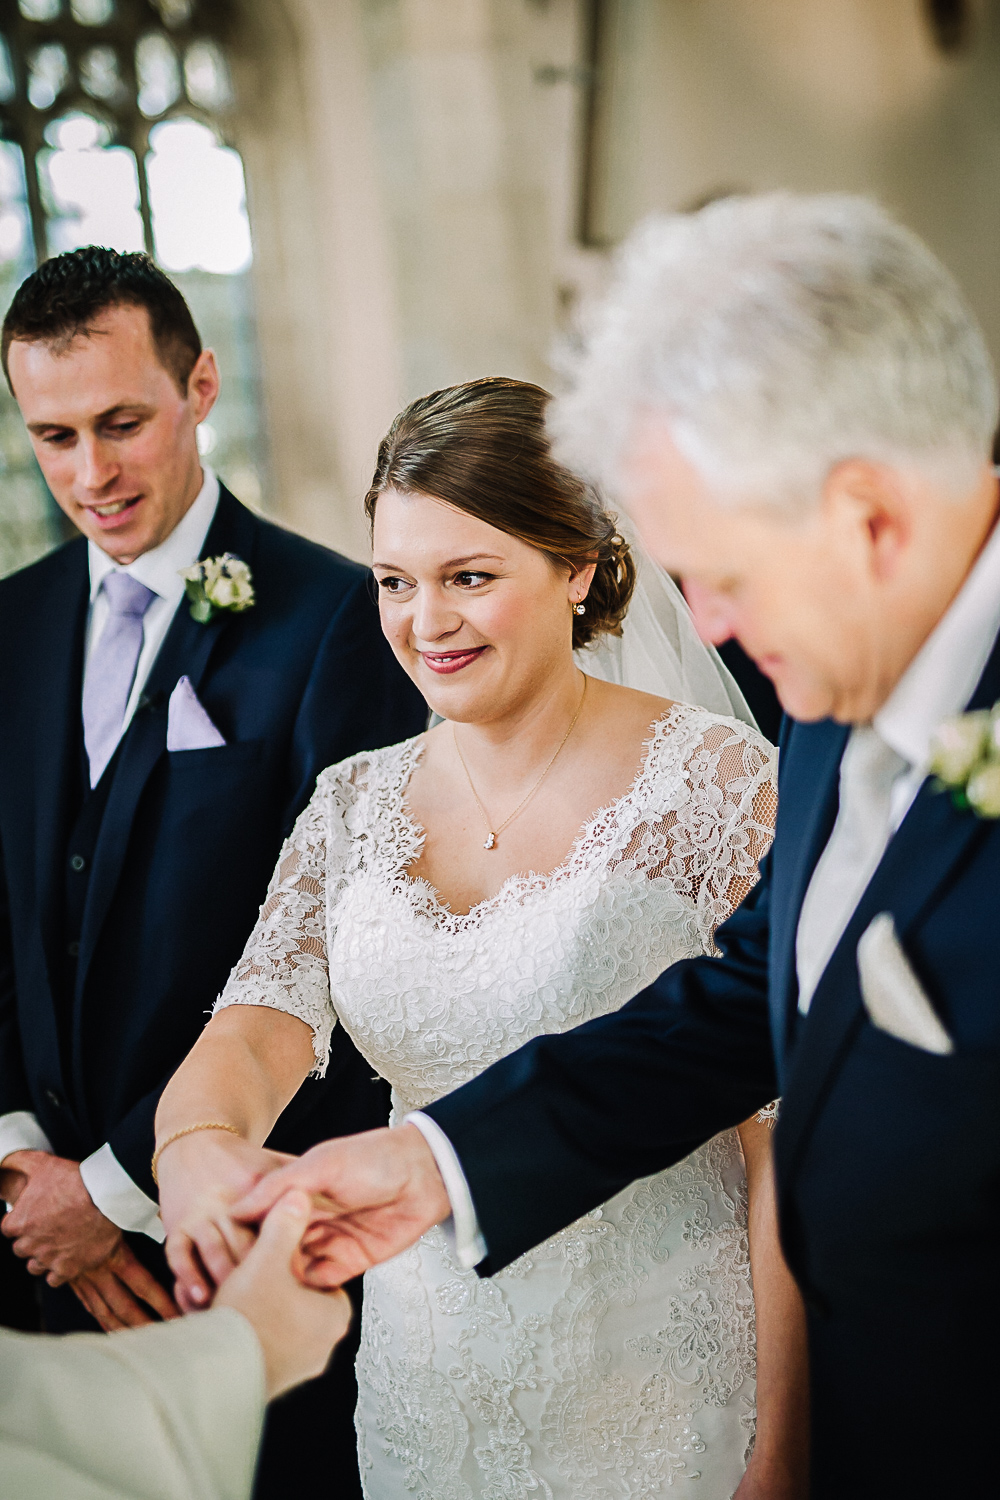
x,y
77,862
73,949
53,1098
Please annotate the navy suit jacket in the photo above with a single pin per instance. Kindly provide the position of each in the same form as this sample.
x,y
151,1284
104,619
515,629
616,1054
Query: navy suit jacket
x,y
188,839
888,1157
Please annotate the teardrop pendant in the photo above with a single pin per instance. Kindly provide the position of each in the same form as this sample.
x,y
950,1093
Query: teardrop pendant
x,y
491,841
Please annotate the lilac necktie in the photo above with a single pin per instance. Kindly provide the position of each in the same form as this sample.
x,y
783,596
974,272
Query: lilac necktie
x,y
111,668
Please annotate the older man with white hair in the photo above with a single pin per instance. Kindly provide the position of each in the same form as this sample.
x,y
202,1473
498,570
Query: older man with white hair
x,y
796,405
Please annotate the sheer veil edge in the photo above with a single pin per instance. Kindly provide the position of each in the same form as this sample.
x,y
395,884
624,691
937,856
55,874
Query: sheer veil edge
x,y
659,650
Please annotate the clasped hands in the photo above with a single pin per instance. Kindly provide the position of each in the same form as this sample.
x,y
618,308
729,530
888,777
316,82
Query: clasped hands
x,y
371,1196
56,1228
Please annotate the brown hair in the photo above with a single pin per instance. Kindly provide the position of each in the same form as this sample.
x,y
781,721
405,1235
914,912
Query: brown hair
x,y
63,297
482,447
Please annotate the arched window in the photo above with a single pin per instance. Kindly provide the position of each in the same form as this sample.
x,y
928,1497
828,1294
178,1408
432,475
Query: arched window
x,y
113,119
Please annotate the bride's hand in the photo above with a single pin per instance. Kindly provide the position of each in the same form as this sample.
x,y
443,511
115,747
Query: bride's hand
x,y
201,1177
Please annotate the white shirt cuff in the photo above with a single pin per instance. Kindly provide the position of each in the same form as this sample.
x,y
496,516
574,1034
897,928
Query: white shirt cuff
x,y
118,1197
463,1227
20,1131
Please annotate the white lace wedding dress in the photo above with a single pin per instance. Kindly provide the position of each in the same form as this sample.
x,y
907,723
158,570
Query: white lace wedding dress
x,y
617,1359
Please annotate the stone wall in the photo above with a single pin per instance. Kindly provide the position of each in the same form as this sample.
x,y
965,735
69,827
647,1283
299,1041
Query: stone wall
x,y
415,171
412,190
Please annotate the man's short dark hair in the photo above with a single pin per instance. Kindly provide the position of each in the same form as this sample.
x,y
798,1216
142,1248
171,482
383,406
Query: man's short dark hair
x,y
61,300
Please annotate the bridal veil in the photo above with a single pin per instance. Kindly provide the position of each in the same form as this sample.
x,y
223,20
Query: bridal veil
x,y
659,650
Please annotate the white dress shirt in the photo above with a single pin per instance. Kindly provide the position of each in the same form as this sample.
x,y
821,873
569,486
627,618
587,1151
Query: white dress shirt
x,y
107,1182
937,684
462,1229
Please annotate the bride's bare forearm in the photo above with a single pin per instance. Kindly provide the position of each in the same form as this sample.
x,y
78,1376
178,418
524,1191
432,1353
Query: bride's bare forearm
x,y
245,1067
781,1453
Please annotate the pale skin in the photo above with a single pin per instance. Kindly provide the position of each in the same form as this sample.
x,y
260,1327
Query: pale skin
x,y
454,592
115,437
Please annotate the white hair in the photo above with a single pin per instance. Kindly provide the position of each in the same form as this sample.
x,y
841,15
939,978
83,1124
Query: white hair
x,y
778,335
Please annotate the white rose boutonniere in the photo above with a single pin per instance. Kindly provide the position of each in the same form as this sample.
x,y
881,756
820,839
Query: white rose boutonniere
x,y
965,759
218,583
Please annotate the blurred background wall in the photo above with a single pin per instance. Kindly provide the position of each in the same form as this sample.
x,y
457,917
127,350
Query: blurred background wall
x,y
365,199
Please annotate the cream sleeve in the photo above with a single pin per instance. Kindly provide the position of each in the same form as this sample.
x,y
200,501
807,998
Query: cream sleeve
x,y
172,1411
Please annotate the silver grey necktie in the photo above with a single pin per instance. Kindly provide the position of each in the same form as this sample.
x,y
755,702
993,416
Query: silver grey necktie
x,y
111,668
850,859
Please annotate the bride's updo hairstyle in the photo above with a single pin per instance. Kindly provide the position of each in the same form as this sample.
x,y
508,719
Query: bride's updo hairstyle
x,y
482,448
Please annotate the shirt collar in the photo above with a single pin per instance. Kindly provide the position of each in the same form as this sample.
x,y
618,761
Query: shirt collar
x,y
943,675
160,568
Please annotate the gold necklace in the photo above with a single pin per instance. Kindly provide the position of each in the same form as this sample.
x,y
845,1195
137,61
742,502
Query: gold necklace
x,y
492,834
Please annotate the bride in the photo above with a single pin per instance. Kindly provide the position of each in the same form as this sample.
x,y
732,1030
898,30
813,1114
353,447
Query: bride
x,y
533,861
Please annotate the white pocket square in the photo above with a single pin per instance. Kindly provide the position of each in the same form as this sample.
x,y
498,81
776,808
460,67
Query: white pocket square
x,y
188,725
892,993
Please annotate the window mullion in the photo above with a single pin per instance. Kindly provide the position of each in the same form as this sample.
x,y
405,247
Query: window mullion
x,y
140,145
33,191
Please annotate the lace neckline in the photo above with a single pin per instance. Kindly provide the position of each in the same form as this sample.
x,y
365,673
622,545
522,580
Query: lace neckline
x,y
430,902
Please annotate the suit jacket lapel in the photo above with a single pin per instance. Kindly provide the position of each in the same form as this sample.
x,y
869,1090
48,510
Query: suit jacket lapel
x,y
53,758
933,837
185,652
807,809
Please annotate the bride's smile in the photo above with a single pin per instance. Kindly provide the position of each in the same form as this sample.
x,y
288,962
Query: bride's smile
x,y
443,662
479,619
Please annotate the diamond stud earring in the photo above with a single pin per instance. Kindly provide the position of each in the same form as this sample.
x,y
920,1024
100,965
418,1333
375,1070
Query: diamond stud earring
x,y
579,609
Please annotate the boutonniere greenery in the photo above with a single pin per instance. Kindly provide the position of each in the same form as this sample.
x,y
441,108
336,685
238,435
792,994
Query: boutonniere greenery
x,y
218,583
965,760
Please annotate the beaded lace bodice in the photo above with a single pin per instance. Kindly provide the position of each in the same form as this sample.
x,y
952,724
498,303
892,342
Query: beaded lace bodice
x,y
618,1356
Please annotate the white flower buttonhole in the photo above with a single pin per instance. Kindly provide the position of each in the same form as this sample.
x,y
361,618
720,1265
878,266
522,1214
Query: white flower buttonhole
x,y
965,760
218,583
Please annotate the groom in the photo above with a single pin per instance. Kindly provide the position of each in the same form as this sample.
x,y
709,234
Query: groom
x,y
153,756
797,406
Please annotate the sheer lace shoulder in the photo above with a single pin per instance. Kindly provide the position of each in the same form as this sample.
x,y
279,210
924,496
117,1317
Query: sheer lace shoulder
x,y
715,781
285,963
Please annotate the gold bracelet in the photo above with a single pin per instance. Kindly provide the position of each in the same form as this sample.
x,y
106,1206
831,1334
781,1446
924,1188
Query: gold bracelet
x,y
189,1130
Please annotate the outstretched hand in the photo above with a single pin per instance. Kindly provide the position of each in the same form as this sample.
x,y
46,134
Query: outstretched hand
x,y
372,1196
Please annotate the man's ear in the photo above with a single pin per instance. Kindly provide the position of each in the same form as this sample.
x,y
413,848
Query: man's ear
x,y
871,501
203,384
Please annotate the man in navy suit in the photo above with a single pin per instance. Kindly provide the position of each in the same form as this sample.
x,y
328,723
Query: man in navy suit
x,y
797,405
152,759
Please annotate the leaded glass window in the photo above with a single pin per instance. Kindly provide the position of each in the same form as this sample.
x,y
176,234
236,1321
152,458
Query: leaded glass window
x,y
114,119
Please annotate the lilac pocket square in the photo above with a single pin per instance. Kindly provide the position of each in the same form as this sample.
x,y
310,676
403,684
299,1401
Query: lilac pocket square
x,y
188,725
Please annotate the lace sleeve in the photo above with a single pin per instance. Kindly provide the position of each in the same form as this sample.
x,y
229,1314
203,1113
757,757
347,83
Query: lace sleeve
x,y
739,773
711,841
284,965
